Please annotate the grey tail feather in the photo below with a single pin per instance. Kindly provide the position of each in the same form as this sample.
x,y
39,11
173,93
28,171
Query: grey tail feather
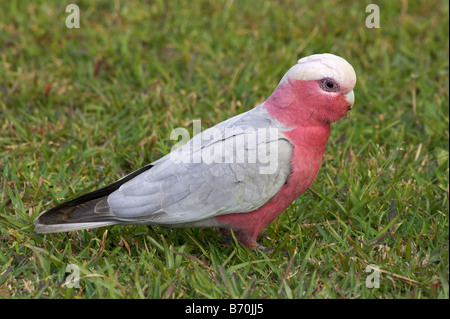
x,y
86,211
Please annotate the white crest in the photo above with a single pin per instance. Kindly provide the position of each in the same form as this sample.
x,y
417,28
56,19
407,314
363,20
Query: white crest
x,y
318,66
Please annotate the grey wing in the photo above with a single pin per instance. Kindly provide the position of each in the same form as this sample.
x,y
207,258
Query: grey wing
x,y
212,180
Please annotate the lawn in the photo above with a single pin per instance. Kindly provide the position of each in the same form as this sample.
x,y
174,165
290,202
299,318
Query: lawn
x,y
82,107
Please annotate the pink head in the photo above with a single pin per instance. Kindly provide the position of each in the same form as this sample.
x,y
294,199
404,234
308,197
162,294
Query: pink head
x,y
318,89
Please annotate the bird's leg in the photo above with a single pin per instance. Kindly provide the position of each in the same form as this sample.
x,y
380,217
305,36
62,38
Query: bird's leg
x,y
249,240
260,248
227,238
246,239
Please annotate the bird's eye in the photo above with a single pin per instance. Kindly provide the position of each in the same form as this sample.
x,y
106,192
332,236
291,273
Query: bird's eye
x,y
328,85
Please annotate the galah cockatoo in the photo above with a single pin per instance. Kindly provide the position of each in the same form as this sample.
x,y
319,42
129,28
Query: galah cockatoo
x,y
238,175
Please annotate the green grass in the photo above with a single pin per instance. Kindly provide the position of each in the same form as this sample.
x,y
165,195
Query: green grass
x,y
79,108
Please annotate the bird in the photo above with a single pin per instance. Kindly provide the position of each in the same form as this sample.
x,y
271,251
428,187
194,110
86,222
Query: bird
x,y
237,176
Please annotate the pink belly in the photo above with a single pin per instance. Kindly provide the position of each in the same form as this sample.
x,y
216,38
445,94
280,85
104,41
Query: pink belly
x,y
246,226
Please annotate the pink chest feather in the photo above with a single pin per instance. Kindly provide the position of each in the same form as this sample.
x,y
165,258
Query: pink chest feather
x,y
309,145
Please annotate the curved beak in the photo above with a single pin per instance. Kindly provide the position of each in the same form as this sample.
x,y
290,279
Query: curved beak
x,y
350,97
